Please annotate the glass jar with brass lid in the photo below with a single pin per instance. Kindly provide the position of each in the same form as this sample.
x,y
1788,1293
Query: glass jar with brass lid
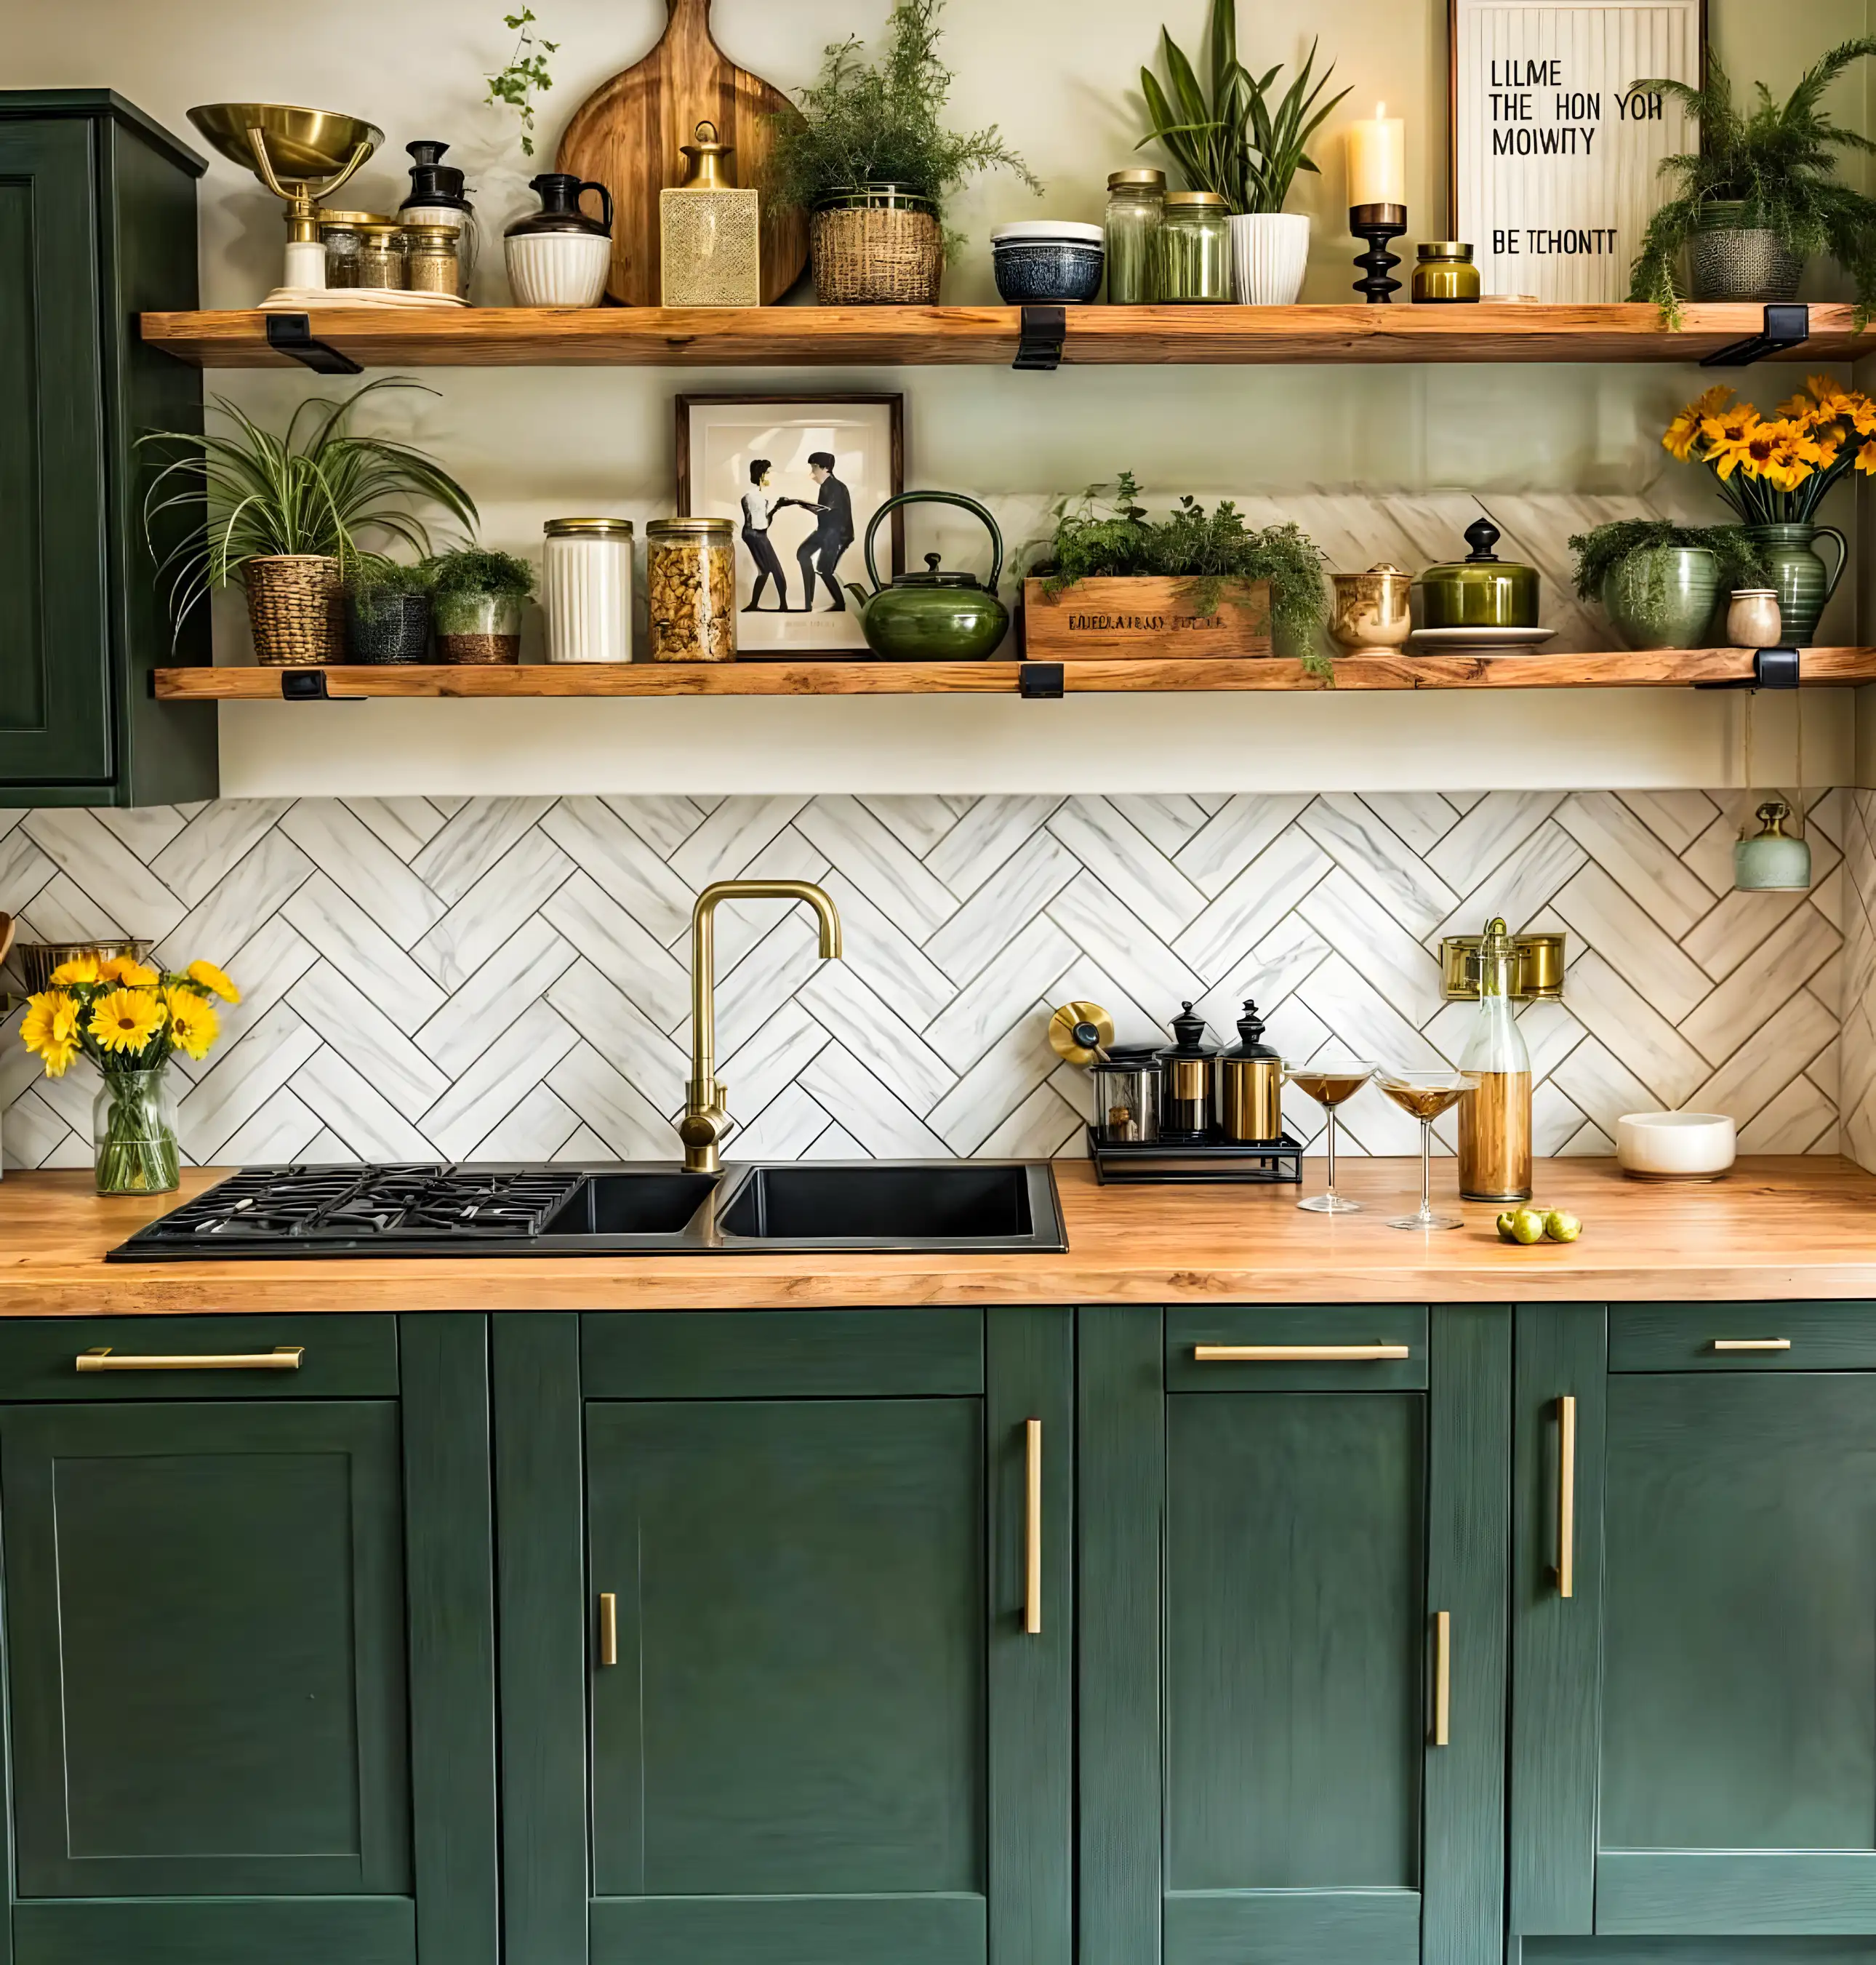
x,y
431,264
1137,210
586,586
1195,248
1444,272
340,234
381,256
690,590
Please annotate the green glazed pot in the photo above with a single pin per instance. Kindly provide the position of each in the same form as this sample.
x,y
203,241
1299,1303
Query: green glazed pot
x,y
1798,575
933,617
1662,597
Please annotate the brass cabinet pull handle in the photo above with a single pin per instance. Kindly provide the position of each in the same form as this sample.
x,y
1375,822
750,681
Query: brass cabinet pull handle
x,y
1442,1678
609,1628
1033,1539
1566,1495
1295,1354
282,1358
1752,1344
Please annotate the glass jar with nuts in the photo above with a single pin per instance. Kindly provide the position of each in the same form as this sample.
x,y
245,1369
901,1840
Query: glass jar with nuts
x,y
690,590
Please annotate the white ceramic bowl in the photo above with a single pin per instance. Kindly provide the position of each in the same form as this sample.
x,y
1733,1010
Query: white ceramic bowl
x,y
1675,1145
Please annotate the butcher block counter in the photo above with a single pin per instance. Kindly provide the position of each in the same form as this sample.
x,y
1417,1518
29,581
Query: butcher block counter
x,y
1776,1227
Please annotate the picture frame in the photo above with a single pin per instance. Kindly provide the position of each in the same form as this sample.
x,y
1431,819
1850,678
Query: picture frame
x,y
814,538
1554,192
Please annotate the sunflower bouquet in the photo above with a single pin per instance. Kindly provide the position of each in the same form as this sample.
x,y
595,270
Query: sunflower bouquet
x,y
1775,470
130,1020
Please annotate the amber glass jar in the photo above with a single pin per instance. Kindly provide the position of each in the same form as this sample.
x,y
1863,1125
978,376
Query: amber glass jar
x,y
1444,272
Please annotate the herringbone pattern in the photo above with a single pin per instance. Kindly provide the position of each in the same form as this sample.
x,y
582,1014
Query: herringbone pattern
x,y
507,978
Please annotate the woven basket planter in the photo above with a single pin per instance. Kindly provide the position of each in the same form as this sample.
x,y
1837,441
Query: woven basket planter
x,y
1731,261
883,249
296,609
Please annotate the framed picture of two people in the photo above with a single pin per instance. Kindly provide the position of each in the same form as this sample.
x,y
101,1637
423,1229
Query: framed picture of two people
x,y
801,477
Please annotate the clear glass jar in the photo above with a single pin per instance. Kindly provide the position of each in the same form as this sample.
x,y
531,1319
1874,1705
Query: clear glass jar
x,y
586,582
1136,209
690,590
1195,248
341,234
134,1133
1126,1099
467,234
381,257
431,265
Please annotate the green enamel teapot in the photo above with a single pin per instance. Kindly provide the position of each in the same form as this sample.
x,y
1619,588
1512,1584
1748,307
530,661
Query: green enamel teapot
x,y
933,617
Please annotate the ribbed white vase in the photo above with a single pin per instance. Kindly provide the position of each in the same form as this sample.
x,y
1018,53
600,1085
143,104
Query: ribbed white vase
x,y
1269,251
587,584
558,268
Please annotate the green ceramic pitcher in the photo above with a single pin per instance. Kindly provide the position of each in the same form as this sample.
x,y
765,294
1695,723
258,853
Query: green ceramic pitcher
x,y
933,617
1797,574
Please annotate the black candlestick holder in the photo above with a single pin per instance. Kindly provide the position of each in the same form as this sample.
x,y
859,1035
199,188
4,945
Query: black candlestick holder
x,y
1377,223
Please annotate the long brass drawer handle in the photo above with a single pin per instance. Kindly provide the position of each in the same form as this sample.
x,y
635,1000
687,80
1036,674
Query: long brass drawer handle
x,y
609,1628
1296,1354
1752,1344
1566,1495
1442,1678
282,1358
1033,1539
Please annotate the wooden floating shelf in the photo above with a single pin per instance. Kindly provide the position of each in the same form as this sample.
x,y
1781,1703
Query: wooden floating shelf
x,y
1658,669
814,337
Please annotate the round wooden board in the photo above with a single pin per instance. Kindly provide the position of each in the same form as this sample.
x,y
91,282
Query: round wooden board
x,y
626,135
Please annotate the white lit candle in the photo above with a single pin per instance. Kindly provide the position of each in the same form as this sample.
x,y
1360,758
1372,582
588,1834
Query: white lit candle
x,y
1377,159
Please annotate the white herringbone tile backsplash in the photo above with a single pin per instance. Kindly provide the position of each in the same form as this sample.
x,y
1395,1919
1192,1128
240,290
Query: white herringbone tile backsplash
x,y
507,978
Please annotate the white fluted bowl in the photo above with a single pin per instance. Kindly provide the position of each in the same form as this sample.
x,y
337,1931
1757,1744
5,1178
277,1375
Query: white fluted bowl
x,y
1675,1145
558,269
1269,253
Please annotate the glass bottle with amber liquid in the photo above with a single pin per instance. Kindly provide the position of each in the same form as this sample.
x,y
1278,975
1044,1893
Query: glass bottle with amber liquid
x,y
1494,1121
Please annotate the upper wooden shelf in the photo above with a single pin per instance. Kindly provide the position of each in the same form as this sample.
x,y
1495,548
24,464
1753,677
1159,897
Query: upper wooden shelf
x,y
1655,669
809,337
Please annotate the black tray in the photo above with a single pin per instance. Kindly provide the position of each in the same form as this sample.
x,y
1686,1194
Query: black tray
x,y
1258,1163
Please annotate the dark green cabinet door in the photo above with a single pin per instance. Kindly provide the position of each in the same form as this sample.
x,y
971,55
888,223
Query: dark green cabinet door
x,y
1719,1776
1309,1801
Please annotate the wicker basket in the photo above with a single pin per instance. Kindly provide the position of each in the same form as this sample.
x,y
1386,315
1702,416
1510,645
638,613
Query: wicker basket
x,y
297,609
877,254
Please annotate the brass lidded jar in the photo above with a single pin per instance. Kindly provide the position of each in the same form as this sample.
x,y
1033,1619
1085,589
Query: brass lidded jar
x,y
1249,1086
430,265
381,256
690,590
1444,272
1480,590
1136,210
710,231
1188,1105
1195,248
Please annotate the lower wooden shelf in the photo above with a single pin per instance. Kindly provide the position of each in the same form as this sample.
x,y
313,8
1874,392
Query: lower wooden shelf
x,y
1665,668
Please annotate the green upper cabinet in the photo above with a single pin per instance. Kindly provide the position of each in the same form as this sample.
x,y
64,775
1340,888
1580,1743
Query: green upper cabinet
x,y
820,1730
1695,1730
1292,1539
96,224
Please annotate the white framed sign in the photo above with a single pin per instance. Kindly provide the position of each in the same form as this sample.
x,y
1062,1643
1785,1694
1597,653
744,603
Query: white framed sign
x,y
1554,157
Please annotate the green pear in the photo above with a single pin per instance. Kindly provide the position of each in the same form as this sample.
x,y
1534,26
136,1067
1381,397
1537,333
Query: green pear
x,y
1524,1225
1561,1226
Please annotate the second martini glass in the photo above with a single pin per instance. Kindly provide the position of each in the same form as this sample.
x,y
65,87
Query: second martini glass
x,y
1330,1085
1426,1095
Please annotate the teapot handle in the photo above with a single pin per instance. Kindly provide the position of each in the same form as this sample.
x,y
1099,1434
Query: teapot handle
x,y
937,498
605,199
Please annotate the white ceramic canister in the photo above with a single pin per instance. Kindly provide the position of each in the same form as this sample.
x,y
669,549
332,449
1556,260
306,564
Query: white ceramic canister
x,y
1269,253
587,585
558,268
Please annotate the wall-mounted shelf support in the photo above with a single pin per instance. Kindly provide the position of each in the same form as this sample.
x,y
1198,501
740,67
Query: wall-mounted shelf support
x,y
309,686
1787,325
1039,681
1045,330
1772,668
292,334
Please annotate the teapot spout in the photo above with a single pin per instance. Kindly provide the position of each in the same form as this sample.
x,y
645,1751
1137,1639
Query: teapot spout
x,y
860,595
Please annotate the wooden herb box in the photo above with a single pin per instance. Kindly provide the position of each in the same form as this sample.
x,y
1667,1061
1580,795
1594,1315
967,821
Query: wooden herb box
x,y
1110,620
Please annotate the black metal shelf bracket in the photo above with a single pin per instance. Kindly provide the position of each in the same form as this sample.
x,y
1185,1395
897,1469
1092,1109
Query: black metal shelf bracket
x,y
292,334
309,686
1787,324
1039,344
1772,668
1039,681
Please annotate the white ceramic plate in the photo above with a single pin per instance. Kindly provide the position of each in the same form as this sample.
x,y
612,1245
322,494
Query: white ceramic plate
x,y
1433,641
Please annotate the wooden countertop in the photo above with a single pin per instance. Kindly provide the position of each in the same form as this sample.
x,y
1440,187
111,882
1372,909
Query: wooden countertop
x,y
1776,1227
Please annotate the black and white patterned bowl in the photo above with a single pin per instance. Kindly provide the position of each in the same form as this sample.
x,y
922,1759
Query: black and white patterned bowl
x,y
1062,271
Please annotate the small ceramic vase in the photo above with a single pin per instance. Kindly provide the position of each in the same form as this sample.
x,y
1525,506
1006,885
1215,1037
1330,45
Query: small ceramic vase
x,y
1753,619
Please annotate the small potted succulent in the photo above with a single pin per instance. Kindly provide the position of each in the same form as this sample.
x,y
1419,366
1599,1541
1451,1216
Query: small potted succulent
x,y
1661,583
870,159
387,610
476,597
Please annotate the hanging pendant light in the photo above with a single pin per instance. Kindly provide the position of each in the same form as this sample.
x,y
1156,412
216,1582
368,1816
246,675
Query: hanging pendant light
x,y
1769,861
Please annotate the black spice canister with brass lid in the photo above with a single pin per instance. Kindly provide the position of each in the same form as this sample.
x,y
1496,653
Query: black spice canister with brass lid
x,y
1189,1088
1250,1085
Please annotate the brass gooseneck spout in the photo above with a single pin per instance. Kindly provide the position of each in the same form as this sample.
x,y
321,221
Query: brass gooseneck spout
x,y
706,1123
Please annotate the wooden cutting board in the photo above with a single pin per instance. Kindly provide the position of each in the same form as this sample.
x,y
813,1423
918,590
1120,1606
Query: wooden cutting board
x,y
626,136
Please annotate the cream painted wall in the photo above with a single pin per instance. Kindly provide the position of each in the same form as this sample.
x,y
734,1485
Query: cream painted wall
x,y
1059,77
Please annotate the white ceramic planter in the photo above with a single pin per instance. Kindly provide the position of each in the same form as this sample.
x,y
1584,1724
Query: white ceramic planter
x,y
1269,251
558,268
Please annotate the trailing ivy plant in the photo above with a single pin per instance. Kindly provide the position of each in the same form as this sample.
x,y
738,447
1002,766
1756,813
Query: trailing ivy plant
x,y
1777,158
1600,551
1107,533
525,75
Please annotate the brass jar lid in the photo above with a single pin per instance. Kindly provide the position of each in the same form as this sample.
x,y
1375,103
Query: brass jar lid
x,y
1443,249
1197,201
346,221
431,235
605,528
693,528
1141,179
382,228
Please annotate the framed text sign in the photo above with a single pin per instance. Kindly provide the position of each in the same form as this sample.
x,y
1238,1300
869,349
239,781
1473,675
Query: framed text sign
x,y
1554,154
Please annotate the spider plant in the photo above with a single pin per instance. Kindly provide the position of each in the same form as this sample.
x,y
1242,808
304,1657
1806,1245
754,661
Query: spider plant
x,y
1234,144
312,491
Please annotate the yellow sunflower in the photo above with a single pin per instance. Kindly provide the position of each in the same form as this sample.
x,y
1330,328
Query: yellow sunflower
x,y
1729,438
212,979
76,973
1793,456
1756,454
1828,393
1679,441
126,1020
193,1024
1866,459
50,1030
127,970
1861,413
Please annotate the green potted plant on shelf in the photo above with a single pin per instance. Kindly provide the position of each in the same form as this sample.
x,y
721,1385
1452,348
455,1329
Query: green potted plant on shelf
x,y
1112,579
1760,196
1660,583
476,598
283,516
387,610
1235,146
871,160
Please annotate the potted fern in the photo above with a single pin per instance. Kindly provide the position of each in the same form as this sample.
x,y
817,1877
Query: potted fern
x,y
387,610
1760,197
1660,583
476,597
1234,144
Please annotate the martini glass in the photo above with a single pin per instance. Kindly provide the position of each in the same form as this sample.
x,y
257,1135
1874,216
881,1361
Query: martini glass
x,y
1426,1095
1330,1085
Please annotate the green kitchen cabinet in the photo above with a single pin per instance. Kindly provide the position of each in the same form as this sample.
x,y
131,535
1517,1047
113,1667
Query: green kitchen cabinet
x,y
1694,1747
786,1669
1292,1570
96,224
249,1642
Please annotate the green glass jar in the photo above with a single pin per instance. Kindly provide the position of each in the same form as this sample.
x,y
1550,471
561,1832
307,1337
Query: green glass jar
x,y
1444,273
1480,590
1136,209
1195,248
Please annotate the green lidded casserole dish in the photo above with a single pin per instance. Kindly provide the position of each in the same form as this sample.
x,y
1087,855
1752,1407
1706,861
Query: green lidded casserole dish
x,y
1480,590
